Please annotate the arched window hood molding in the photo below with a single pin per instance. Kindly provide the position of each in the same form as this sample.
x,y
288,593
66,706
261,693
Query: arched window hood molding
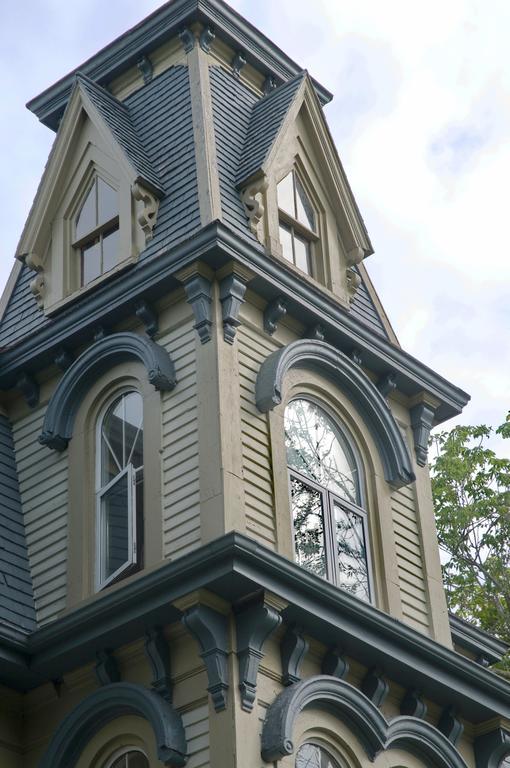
x,y
317,355
357,711
102,355
107,704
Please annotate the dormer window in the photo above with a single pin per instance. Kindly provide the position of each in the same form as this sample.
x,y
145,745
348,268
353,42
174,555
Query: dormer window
x,y
298,223
97,231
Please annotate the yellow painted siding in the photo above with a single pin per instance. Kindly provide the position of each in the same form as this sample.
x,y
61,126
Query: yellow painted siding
x,y
43,479
257,466
180,460
196,726
413,587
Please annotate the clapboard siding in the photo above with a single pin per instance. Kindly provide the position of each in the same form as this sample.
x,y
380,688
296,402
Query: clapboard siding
x,y
196,727
413,589
257,466
43,480
180,459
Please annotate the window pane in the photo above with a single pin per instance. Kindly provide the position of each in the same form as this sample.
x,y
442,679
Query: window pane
x,y
305,212
316,448
286,242
110,249
116,522
313,756
91,262
302,254
133,759
308,527
285,192
86,219
113,459
107,202
352,553
133,428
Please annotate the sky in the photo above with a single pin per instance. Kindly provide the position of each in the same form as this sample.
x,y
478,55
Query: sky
x,y
421,119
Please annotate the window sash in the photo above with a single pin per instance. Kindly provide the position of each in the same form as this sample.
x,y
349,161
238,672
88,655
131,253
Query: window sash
x,y
101,536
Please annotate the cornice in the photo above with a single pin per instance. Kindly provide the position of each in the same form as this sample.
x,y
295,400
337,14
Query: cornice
x,y
232,568
216,245
486,648
126,50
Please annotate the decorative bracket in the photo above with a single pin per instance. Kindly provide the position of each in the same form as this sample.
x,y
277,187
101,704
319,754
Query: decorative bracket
x,y
375,687
148,317
353,282
197,281
356,356
387,384
252,199
187,39
29,388
147,216
270,85
335,664
238,63
156,650
232,291
413,705
144,64
63,359
450,725
492,748
293,649
254,623
274,311
316,332
209,627
106,669
38,284
422,419
206,39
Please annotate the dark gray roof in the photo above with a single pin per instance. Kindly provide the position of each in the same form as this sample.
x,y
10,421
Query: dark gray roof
x,y
16,595
118,118
266,120
364,308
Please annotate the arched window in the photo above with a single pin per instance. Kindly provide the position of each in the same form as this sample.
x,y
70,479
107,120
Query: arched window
x,y
298,223
96,235
330,524
119,489
314,756
131,758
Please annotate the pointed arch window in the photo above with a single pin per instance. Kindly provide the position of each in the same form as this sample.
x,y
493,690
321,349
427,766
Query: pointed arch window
x,y
298,223
119,489
96,231
330,523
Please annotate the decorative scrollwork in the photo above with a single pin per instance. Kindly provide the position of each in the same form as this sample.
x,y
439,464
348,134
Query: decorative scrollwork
x,y
253,201
147,216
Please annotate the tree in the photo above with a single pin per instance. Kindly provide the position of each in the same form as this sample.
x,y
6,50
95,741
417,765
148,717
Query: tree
x,y
471,491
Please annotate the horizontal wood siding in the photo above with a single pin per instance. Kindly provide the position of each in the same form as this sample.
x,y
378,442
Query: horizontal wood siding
x,y
413,589
257,466
196,726
43,483
180,459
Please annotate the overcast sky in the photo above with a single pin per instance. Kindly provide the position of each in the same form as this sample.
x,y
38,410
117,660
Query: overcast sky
x,y
421,117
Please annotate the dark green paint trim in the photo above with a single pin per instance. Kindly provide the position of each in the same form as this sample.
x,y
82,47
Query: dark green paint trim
x,y
210,630
486,648
234,567
106,704
375,733
338,368
103,354
152,32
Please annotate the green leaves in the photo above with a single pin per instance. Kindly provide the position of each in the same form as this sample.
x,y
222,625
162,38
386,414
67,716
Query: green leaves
x,y
471,490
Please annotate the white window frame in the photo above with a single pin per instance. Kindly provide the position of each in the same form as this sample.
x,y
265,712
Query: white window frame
x,y
296,228
122,752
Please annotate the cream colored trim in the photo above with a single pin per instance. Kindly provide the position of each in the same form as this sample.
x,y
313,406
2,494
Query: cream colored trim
x,y
9,287
205,143
377,303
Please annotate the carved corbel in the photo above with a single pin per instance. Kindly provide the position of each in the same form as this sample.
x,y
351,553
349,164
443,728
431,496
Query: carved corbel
x,y
157,652
148,317
387,384
38,284
335,664
232,291
450,725
269,85
316,332
293,649
356,356
146,69
375,687
147,216
355,256
273,313
413,705
209,627
255,622
422,420
206,39
106,669
238,63
197,281
64,359
253,201
29,388
187,39
353,282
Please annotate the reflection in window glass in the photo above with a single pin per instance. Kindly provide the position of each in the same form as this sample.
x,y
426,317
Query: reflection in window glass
x,y
97,231
131,759
297,222
308,527
286,195
286,243
313,756
352,552
115,516
304,210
